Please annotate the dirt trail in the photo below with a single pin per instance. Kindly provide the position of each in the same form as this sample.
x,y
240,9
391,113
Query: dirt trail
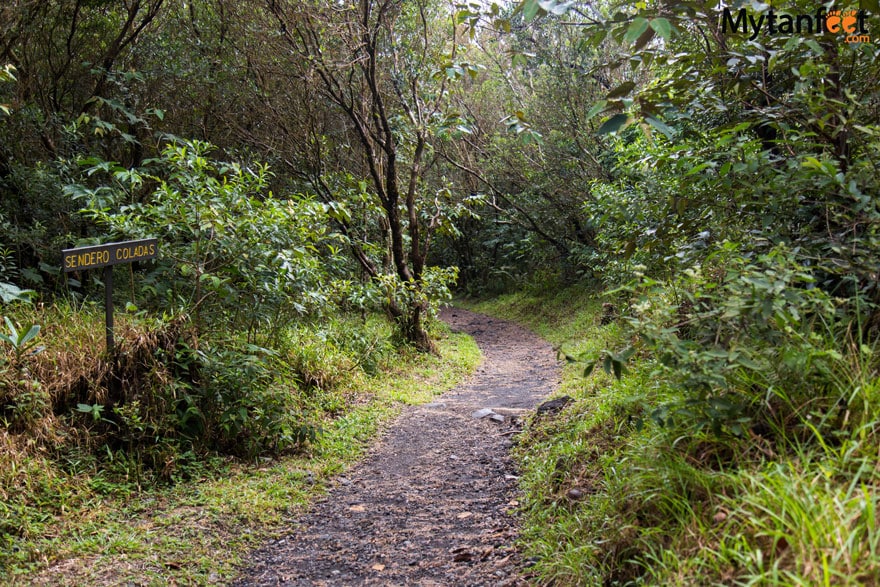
x,y
432,502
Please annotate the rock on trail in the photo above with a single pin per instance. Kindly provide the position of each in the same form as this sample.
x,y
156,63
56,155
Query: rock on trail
x,y
433,501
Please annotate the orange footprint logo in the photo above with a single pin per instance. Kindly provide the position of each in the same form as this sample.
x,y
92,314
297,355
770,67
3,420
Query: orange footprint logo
x,y
849,22
833,21
836,20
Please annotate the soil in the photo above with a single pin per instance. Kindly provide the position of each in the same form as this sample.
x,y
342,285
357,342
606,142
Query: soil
x,y
434,502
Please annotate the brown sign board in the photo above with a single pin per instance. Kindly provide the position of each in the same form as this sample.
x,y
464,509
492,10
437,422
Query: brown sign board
x,y
108,254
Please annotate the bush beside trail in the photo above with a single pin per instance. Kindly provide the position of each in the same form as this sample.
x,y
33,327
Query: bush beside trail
x,y
245,339
770,479
90,448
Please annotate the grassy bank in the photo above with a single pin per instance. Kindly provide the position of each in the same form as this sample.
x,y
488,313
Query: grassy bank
x,y
82,514
614,498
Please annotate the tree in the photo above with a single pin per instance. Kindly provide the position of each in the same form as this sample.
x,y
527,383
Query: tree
x,y
537,166
70,54
386,65
75,94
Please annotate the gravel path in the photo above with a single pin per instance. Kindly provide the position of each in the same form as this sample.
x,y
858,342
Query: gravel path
x,y
433,502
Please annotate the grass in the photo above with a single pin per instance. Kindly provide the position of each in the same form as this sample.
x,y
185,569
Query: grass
x,y
82,527
611,498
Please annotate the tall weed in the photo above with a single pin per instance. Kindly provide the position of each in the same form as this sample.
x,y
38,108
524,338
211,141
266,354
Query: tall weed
x,y
805,522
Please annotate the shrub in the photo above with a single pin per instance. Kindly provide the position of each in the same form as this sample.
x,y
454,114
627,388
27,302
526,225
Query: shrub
x,y
231,254
739,335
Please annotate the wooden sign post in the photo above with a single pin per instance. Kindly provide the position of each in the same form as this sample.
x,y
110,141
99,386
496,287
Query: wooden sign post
x,y
106,256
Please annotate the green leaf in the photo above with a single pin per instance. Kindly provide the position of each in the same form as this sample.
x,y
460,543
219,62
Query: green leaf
x,y
663,27
636,29
597,108
621,90
613,124
502,24
643,40
31,333
530,9
555,7
661,126
12,329
462,16
748,363
589,368
698,168
528,136
618,368
10,292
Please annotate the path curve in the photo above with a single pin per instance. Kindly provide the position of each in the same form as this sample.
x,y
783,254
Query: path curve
x,y
432,503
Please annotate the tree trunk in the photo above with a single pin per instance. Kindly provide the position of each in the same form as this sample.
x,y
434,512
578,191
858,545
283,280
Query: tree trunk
x,y
412,329
362,89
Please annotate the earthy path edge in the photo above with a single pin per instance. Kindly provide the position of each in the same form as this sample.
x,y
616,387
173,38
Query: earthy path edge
x,y
433,502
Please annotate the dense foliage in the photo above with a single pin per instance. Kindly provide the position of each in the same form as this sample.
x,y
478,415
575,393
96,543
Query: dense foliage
x,y
309,165
734,229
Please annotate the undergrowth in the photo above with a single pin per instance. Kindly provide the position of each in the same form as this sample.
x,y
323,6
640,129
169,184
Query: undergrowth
x,y
171,464
616,494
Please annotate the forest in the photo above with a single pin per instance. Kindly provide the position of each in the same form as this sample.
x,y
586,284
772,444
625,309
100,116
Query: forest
x,y
681,196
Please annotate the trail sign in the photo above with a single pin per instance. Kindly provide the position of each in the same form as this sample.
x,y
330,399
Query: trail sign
x,y
106,256
109,254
